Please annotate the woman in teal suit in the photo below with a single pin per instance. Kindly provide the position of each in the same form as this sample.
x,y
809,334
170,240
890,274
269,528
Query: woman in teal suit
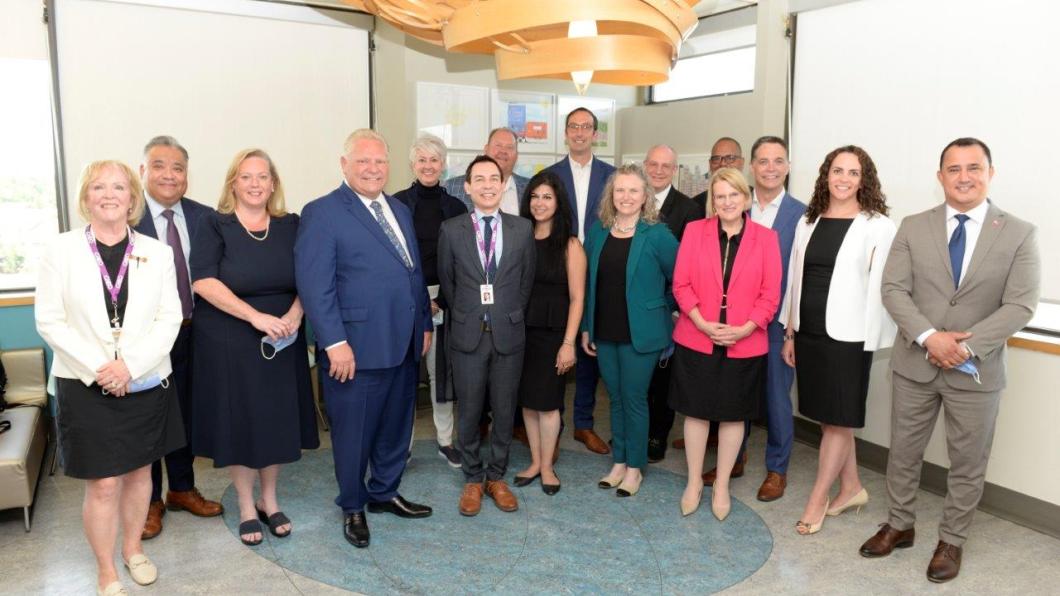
x,y
631,265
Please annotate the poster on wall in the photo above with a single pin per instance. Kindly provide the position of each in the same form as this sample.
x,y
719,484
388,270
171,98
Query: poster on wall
x,y
458,114
692,170
528,164
531,115
602,108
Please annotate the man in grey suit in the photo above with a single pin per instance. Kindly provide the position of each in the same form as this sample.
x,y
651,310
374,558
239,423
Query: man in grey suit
x,y
503,147
960,280
486,272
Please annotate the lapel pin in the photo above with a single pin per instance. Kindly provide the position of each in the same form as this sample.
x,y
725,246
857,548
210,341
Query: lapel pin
x,y
996,223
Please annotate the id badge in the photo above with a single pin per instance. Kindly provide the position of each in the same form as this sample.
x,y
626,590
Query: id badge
x,y
486,293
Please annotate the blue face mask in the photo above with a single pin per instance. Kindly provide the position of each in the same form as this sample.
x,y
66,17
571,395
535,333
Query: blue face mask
x,y
277,345
145,383
969,368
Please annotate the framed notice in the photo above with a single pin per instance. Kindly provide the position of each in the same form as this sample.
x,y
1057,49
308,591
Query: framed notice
x,y
531,115
458,114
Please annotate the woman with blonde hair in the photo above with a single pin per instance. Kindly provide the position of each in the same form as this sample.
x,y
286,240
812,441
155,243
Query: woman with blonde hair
x,y
253,404
107,305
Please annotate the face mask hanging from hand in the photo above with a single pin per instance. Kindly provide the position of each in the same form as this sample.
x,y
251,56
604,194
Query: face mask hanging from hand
x,y
277,345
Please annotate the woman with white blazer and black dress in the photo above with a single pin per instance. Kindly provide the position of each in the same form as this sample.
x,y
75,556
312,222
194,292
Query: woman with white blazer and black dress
x,y
835,319
107,305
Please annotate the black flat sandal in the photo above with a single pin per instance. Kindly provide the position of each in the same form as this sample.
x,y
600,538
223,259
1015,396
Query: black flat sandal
x,y
251,526
274,521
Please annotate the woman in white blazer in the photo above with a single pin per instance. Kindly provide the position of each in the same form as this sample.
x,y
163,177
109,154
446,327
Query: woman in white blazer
x,y
107,305
835,319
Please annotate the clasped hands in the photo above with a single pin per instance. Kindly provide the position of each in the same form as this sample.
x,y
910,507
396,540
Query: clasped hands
x,y
114,376
945,349
725,335
276,327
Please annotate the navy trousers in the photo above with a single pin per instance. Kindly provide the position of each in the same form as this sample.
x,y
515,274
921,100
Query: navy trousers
x,y
779,420
586,375
371,426
179,467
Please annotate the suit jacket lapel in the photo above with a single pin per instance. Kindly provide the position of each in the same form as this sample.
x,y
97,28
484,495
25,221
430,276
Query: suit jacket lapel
x,y
406,229
711,250
938,237
147,224
471,246
668,205
993,224
367,219
508,234
750,236
785,213
636,248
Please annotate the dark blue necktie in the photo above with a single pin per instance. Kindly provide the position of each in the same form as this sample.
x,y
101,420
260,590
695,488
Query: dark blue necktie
x,y
487,238
957,241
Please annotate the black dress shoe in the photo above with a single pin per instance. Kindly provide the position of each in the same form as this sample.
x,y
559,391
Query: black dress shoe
x,y
525,480
401,508
550,489
656,450
355,529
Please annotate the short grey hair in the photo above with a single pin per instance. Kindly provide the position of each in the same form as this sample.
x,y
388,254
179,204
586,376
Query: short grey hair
x,y
661,146
363,134
165,141
430,144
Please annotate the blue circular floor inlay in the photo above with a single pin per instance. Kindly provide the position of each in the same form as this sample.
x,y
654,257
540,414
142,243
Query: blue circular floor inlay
x,y
581,541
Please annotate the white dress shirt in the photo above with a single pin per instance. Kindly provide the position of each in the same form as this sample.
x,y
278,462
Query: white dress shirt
x,y
162,226
496,223
660,197
510,197
972,227
766,216
581,175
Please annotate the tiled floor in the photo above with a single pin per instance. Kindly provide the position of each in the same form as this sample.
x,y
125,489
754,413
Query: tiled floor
x,y
201,556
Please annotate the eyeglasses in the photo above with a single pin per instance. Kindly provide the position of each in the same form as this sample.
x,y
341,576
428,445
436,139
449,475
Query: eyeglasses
x,y
574,126
724,159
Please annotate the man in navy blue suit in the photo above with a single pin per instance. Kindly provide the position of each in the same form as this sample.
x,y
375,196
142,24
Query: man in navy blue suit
x,y
773,207
173,218
584,177
361,284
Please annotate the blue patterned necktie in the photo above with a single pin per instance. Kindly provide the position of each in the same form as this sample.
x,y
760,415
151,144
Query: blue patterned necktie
x,y
487,238
957,241
389,231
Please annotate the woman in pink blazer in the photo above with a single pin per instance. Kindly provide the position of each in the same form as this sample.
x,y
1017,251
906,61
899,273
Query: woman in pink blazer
x,y
727,285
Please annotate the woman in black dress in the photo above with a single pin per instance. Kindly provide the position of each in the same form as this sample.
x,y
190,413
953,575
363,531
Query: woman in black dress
x,y
727,285
835,318
253,404
107,305
552,319
430,205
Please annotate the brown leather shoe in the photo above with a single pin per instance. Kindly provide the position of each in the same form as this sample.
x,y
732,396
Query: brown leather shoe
x,y
945,563
471,499
519,434
502,495
678,444
737,471
772,487
592,441
886,540
153,525
193,502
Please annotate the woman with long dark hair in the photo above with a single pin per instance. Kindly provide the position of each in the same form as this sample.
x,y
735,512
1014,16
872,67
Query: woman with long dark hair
x,y
552,319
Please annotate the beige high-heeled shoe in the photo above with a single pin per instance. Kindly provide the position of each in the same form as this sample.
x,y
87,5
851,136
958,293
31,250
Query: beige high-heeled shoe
x,y
690,507
720,513
805,529
859,500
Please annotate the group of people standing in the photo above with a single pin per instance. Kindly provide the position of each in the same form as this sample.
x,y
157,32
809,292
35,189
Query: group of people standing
x,y
710,306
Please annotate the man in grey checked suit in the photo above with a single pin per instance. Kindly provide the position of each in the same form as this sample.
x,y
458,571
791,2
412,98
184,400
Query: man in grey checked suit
x,y
960,280
503,147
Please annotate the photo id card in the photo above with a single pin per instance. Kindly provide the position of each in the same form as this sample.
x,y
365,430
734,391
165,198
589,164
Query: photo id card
x,y
486,293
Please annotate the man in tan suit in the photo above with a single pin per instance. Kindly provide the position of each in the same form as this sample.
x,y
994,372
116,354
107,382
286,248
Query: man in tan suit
x,y
960,280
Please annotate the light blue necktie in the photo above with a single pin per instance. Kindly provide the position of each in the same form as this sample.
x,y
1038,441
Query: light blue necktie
x,y
957,241
389,231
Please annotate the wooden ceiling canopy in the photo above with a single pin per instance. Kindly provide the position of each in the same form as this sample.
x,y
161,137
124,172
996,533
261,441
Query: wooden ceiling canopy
x,y
636,41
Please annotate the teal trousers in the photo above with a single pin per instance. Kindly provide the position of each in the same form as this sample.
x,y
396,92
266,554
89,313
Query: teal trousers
x,y
627,374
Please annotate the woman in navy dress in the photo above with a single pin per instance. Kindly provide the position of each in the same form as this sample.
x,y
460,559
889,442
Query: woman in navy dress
x,y
253,405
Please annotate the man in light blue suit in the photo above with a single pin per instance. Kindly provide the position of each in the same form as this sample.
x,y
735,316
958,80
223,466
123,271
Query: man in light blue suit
x,y
773,207
503,147
361,284
584,177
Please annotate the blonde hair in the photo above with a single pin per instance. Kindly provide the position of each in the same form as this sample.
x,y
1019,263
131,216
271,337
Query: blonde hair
x,y
648,211
276,206
136,191
736,180
363,134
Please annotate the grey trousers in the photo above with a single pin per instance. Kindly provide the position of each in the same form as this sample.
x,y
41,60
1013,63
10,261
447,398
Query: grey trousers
x,y
969,420
472,372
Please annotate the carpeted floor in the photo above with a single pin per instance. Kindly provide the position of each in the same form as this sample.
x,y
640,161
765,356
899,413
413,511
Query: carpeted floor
x,y
582,540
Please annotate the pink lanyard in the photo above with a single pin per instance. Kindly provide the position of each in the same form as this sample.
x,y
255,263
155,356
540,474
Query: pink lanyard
x,y
486,256
113,288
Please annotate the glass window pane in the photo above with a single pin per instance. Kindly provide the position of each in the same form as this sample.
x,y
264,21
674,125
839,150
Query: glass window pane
x,y
713,74
28,214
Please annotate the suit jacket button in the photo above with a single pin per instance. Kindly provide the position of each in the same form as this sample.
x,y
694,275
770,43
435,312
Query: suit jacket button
x,y
953,303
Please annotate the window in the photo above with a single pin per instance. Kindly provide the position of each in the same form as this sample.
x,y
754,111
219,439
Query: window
x,y
718,59
28,213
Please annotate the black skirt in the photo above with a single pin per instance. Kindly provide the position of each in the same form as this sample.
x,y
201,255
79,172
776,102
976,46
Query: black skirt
x,y
101,436
716,387
833,379
541,388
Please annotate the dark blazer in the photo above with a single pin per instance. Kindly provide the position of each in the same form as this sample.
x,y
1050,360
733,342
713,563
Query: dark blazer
x,y
455,187
598,176
354,284
649,277
193,212
460,274
791,210
678,211
701,200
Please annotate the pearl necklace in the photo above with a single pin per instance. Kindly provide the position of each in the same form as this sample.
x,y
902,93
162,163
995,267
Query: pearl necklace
x,y
625,230
268,221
